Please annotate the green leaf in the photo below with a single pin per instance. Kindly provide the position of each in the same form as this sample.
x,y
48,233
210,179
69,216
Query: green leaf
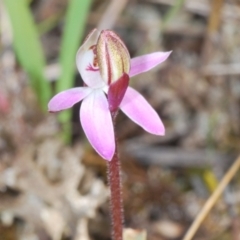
x,y
28,48
75,22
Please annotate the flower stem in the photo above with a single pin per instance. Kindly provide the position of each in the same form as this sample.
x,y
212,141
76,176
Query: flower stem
x,y
116,209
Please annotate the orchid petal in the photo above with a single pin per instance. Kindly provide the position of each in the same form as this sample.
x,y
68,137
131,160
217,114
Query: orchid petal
x,y
135,106
146,62
85,61
97,124
68,98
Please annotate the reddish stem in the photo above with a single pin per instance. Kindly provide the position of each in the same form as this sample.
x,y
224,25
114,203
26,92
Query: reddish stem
x,y
116,209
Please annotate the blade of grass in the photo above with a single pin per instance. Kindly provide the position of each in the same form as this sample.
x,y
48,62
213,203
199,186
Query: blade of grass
x,y
49,23
75,21
28,48
172,12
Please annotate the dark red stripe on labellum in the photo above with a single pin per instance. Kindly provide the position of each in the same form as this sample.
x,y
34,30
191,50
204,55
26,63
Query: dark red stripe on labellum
x,y
117,91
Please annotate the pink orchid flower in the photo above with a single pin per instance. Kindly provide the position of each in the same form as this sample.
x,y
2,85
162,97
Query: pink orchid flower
x,y
105,66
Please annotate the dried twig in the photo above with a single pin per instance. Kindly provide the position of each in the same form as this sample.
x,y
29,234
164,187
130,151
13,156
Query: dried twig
x,y
221,69
174,156
203,7
111,14
212,199
212,30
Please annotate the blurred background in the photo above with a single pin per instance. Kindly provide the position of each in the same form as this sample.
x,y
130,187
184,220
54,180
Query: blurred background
x,y
52,183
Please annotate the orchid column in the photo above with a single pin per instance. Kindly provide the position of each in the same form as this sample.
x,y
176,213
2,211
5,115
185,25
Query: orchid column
x,y
105,66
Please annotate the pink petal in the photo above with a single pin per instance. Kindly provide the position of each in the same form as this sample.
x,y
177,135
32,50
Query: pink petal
x,y
68,98
146,62
85,61
97,123
117,91
135,106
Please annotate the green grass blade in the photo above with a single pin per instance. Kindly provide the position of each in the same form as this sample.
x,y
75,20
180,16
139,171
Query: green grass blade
x,y
28,48
75,22
73,32
172,12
